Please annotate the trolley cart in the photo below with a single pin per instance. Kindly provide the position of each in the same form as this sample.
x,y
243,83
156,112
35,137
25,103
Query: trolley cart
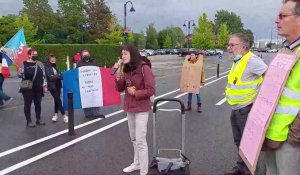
x,y
169,166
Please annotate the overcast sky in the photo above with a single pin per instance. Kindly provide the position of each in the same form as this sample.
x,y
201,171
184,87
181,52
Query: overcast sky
x,y
257,15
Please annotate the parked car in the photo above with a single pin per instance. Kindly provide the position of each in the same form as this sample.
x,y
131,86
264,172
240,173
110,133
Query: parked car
x,y
219,52
174,51
262,50
160,52
272,50
150,52
143,53
210,53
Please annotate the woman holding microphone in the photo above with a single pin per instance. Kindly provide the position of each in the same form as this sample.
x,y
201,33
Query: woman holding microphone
x,y
135,77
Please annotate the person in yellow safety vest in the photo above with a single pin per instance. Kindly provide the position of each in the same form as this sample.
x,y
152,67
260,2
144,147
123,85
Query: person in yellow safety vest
x,y
284,128
244,80
4,99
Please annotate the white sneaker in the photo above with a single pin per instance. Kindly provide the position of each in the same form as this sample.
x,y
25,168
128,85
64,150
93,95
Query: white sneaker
x,y
131,168
66,119
54,118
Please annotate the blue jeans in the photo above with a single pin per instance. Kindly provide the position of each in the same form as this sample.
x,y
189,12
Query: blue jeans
x,y
3,96
190,96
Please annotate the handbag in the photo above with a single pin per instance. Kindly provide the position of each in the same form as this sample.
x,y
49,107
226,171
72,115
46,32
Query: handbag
x,y
26,85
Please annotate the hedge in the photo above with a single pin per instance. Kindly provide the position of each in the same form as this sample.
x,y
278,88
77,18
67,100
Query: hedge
x,y
107,55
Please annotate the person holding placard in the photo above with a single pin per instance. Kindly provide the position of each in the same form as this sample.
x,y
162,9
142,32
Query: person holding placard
x,y
192,60
282,143
244,80
87,60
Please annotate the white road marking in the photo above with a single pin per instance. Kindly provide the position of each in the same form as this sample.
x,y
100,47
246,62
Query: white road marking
x,y
10,151
65,145
221,102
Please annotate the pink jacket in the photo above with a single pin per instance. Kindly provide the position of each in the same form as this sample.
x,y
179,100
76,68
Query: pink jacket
x,y
145,88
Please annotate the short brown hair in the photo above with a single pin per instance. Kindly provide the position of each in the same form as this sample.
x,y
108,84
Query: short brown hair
x,y
297,8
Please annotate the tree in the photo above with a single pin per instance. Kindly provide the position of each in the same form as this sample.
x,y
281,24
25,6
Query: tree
x,y
223,36
180,37
233,21
176,34
203,36
99,18
7,28
168,42
115,35
71,15
139,40
29,28
161,38
249,33
151,39
41,14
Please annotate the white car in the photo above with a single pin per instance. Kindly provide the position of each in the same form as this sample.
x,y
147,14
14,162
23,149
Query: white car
x,y
219,52
272,51
150,52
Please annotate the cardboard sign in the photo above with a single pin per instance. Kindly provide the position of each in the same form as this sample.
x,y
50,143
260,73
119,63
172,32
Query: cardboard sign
x,y
191,76
264,107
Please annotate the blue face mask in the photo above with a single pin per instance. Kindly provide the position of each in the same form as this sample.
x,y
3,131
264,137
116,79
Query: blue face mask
x,y
237,57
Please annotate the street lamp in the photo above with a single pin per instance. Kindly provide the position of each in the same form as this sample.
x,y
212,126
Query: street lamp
x,y
189,30
125,14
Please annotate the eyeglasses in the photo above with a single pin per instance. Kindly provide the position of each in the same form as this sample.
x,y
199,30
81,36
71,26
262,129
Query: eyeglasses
x,y
232,45
282,16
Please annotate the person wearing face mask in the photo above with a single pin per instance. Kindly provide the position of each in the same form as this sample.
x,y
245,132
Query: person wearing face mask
x,y
33,70
192,60
54,86
87,60
135,77
244,80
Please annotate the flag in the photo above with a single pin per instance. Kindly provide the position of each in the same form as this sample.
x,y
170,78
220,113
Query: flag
x,y
6,62
16,48
91,87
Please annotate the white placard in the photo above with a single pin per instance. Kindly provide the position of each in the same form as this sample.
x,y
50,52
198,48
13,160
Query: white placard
x,y
90,85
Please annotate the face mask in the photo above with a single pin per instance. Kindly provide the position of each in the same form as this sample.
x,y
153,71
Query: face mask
x,y
237,57
34,58
86,58
53,64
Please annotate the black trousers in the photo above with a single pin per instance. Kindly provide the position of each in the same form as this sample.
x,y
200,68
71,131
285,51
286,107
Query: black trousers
x,y
57,101
238,121
34,95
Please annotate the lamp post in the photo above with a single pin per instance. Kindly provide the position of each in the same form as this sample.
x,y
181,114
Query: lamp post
x,y
125,14
189,30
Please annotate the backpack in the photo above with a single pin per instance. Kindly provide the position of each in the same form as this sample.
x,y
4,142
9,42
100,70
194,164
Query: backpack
x,y
145,59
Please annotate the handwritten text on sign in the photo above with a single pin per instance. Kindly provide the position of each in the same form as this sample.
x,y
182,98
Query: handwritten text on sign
x,y
263,108
90,85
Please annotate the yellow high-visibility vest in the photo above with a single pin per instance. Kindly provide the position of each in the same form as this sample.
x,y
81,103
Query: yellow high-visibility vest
x,y
238,91
287,107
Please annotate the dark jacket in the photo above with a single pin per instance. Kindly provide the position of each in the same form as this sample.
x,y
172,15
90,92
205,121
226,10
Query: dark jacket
x,y
91,62
143,80
54,79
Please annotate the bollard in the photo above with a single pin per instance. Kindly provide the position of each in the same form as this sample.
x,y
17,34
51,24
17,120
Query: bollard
x,y
71,114
218,70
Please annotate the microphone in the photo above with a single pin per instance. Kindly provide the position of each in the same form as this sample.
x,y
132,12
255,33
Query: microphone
x,y
114,70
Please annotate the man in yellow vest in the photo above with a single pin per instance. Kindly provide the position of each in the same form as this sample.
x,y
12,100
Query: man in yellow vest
x,y
244,80
283,133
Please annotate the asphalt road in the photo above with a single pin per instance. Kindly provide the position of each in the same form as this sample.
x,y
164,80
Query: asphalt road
x,y
103,147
